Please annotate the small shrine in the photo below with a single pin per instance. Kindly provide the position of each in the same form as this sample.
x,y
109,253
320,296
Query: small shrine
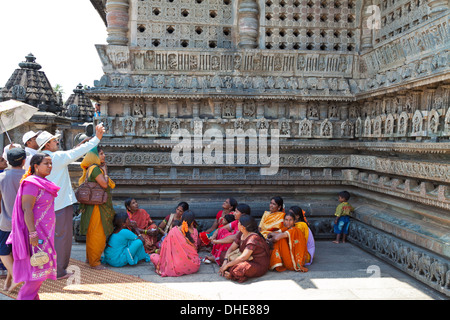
x,y
30,84
79,106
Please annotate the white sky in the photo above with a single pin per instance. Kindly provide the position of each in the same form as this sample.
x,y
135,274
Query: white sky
x,y
61,34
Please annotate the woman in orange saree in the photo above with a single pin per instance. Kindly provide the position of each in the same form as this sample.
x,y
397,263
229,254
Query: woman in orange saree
x,y
289,247
272,220
302,224
139,218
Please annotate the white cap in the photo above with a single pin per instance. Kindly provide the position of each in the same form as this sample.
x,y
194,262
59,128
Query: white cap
x,y
45,137
8,147
27,136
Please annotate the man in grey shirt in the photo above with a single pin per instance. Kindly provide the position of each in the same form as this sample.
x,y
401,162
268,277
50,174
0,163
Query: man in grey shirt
x,y
9,184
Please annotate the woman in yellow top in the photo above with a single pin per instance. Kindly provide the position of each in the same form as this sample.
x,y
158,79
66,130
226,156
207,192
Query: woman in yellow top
x,y
272,220
96,220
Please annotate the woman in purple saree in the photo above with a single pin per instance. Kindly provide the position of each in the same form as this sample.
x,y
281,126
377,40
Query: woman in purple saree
x,y
33,227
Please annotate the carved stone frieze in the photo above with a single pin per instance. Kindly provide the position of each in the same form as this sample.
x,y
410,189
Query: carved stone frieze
x,y
385,166
427,267
424,170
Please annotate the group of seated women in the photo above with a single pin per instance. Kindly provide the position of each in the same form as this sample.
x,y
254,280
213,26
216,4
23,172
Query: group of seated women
x,y
242,248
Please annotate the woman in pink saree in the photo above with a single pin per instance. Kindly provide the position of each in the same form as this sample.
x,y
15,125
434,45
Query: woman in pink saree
x,y
178,254
225,236
33,227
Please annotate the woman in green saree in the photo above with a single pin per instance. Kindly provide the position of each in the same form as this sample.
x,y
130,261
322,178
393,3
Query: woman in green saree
x,y
96,220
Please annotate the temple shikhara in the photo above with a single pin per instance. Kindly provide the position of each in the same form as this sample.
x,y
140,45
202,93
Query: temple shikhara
x,y
358,90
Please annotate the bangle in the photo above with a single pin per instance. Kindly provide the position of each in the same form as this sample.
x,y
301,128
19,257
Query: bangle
x,y
33,234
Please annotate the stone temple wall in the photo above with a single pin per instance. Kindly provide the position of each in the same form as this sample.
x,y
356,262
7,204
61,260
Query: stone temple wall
x,y
359,91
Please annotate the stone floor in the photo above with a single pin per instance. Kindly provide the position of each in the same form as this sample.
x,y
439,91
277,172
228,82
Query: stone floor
x,y
339,272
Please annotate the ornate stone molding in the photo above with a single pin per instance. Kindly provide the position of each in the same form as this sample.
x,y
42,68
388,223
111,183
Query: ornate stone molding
x,y
123,59
421,170
382,166
422,264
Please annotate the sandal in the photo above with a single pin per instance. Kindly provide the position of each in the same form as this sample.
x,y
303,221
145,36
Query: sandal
x,y
205,260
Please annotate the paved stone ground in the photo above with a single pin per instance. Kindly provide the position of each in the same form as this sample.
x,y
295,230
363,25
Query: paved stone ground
x,y
339,272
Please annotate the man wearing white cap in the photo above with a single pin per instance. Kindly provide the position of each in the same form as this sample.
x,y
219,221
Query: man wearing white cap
x,y
48,143
31,146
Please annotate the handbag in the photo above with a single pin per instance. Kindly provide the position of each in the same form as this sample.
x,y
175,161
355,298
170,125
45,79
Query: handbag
x,y
39,258
91,193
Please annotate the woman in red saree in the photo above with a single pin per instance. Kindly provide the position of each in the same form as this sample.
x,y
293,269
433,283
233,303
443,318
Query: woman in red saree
x,y
228,207
179,254
140,219
289,247
224,236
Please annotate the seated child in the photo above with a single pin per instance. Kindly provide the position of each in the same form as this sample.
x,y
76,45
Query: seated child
x,y
343,212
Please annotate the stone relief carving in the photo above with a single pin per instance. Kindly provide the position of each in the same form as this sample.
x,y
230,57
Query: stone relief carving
x,y
326,129
419,263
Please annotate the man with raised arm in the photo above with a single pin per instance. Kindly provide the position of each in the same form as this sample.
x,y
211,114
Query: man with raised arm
x,y
48,143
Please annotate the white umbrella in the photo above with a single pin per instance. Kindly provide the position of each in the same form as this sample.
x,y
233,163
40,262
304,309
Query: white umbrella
x,y
13,113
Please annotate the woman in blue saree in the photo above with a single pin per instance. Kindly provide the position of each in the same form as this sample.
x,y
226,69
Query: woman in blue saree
x,y
124,247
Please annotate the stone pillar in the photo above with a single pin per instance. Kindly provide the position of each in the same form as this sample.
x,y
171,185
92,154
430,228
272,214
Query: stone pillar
x,y
292,111
437,7
173,109
281,110
401,98
239,108
429,100
195,109
260,109
149,108
344,111
302,110
117,22
217,109
127,107
104,107
323,110
248,15
416,100
446,96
